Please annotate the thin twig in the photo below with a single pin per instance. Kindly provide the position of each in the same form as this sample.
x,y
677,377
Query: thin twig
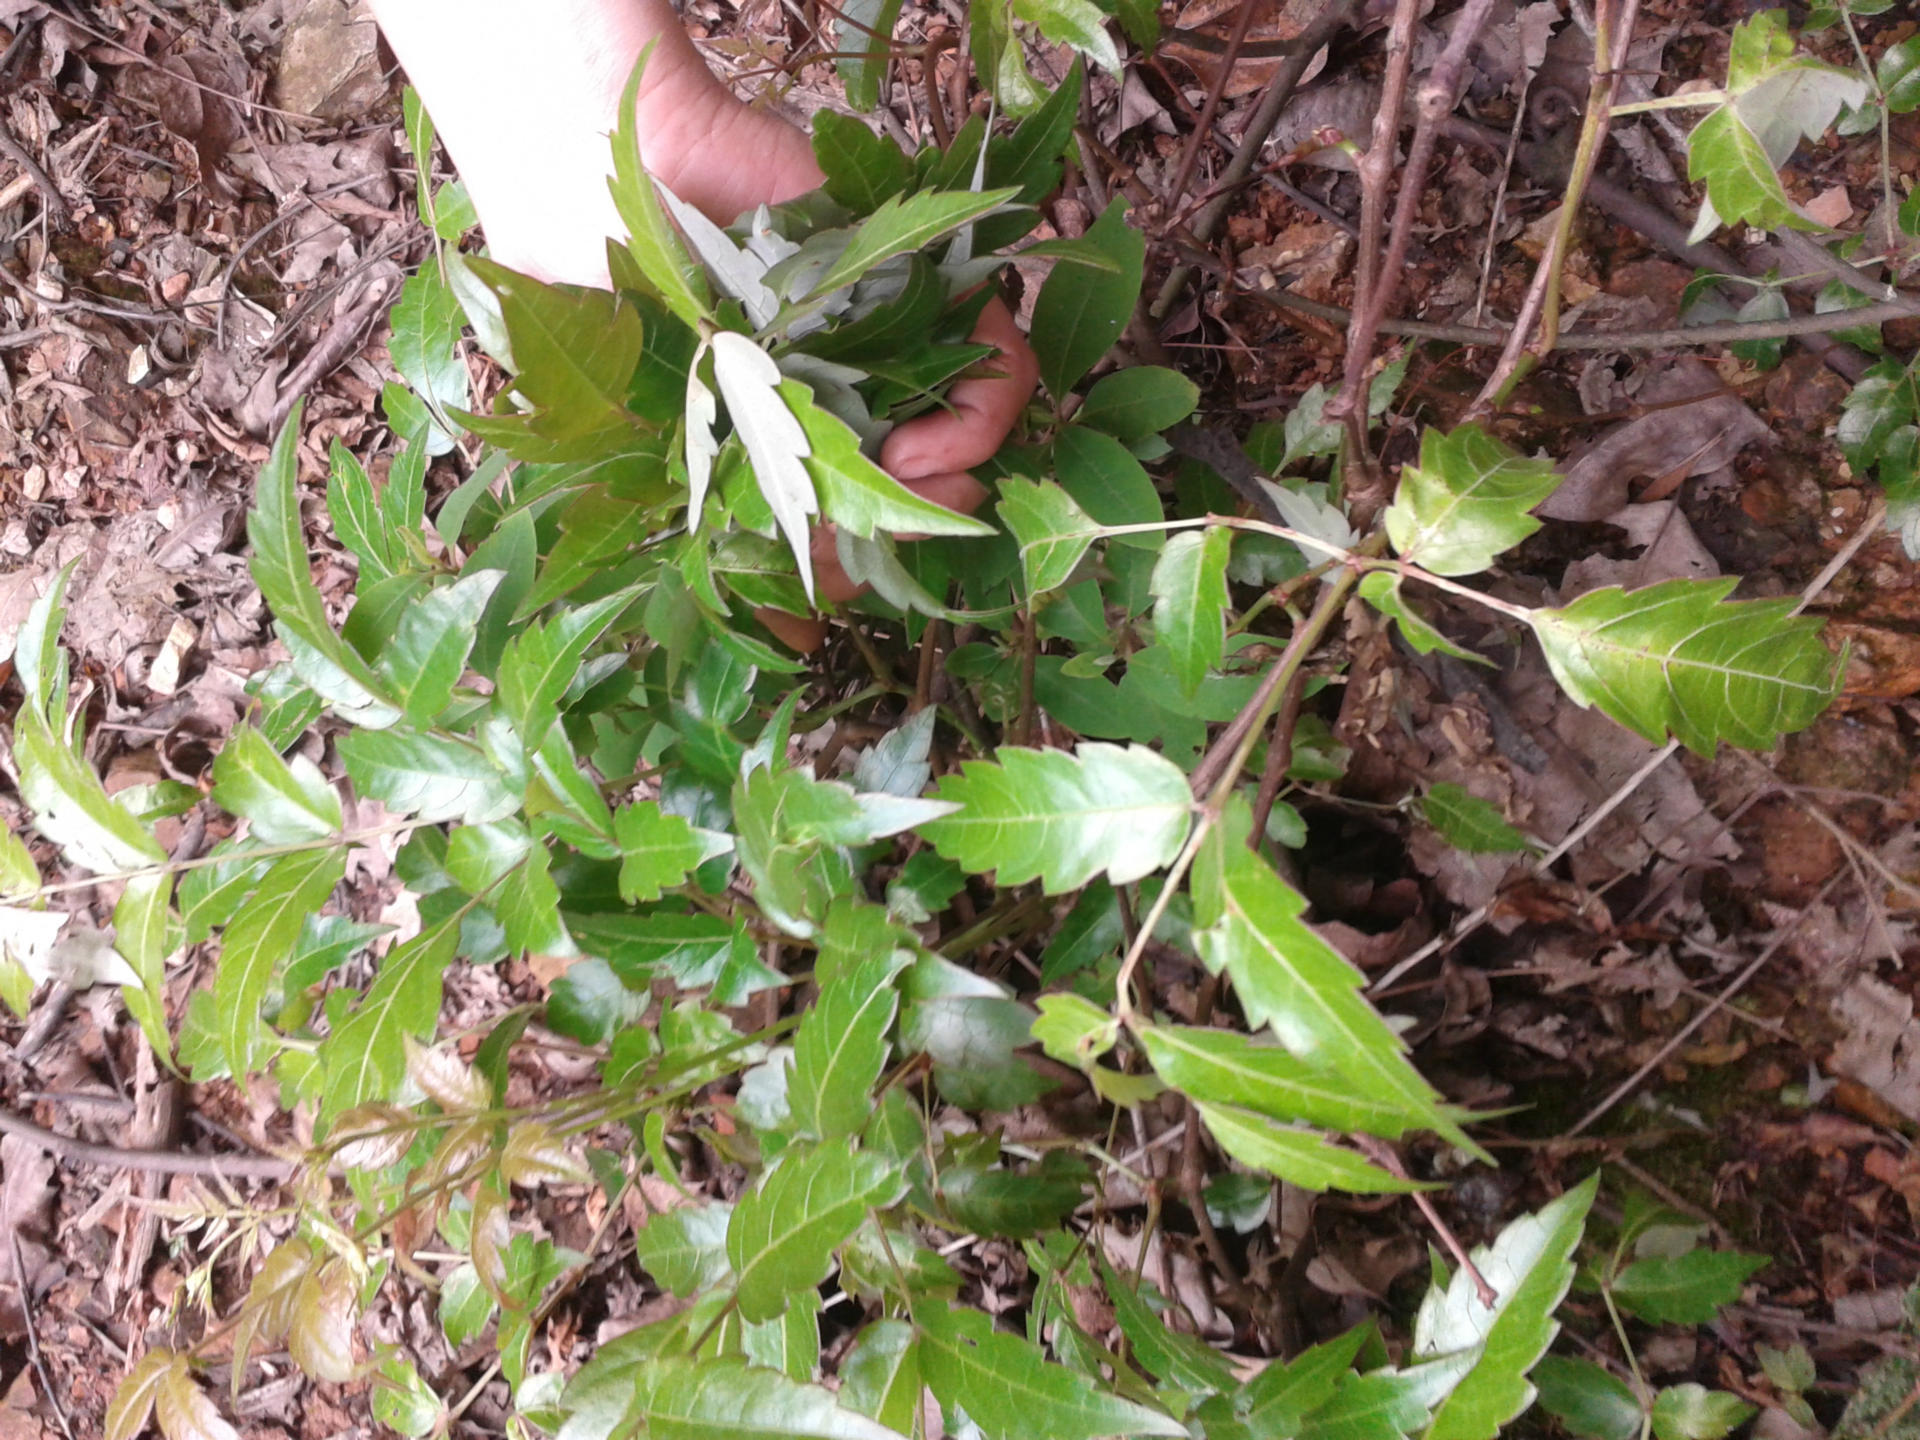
x,y
1375,165
1382,1154
1706,1012
150,1162
50,196
1472,921
1196,137
1730,332
1435,100
1333,18
33,1340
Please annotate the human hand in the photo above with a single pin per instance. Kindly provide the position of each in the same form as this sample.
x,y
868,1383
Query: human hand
x,y
525,110
931,456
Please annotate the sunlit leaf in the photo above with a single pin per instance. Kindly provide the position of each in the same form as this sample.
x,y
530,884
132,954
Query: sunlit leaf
x,y
1466,502
1189,588
1064,818
1530,1268
841,1048
1052,530
686,1399
1679,658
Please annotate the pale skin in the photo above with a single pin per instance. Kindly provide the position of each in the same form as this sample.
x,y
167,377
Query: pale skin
x,y
524,97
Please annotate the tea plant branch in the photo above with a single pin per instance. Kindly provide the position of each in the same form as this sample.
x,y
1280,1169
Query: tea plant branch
x,y
150,1162
1543,295
1333,597
1375,166
1477,917
1203,126
1382,1154
175,867
1435,99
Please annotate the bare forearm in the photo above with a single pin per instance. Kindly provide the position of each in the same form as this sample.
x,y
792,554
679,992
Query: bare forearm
x,y
525,97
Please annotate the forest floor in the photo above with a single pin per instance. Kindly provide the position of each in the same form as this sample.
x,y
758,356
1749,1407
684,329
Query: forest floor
x,y
1707,990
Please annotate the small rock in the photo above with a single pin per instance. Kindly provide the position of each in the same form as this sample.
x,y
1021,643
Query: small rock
x,y
330,61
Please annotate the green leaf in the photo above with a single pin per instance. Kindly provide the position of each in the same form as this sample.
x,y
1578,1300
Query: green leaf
x,y
903,224
365,1057
1189,588
1053,531
841,1048
1232,1069
1276,1400
430,777
704,1399
685,1250
1693,1412
1466,501
783,1234
981,1195
1589,1401
1684,1289
1173,1358
428,652
880,1376
864,40
1300,1157
674,275
1287,977
1139,401
279,567
774,440
1079,23
541,662
1742,185
286,801
424,339
862,169
790,1343
1106,481
1899,75
1080,311
1530,1267
658,851
1012,1392
575,350
357,520
1074,1030
1679,657
1384,592
260,940
1064,818
856,494
1467,822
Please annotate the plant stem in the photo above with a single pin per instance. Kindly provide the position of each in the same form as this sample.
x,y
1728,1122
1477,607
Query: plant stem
x,y
1333,597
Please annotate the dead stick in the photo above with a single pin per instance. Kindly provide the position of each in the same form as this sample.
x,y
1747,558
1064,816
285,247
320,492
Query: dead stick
x,y
50,196
1435,101
1382,1154
1337,15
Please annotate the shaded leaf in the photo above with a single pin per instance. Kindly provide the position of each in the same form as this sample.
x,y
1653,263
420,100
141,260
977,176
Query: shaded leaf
x,y
1011,1391
1467,822
841,1048
1081,311
783,1233
1684,1289
1300,1157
